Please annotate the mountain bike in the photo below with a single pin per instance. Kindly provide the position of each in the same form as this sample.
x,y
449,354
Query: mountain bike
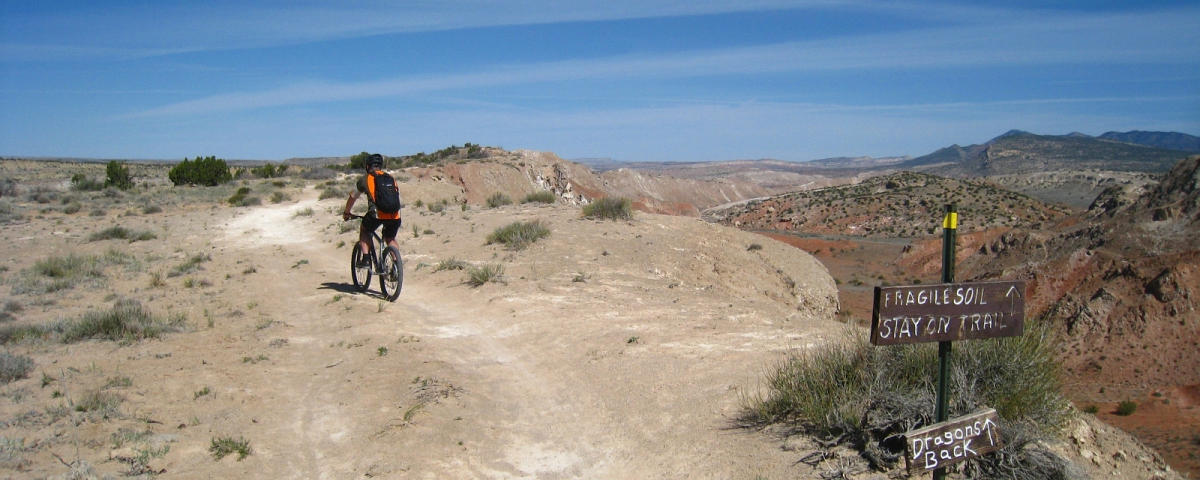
x,y
385,263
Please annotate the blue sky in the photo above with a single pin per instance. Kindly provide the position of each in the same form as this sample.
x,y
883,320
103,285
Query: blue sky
x,y
633,80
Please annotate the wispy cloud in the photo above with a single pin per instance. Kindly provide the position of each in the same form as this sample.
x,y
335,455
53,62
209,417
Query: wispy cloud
x,y
151,29
1113,39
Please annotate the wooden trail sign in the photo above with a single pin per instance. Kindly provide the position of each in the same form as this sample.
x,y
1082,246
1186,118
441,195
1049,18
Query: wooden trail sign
x,y
953,441
947,311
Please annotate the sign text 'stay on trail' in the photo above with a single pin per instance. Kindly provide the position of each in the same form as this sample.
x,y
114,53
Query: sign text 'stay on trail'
x,y
948,311
953,441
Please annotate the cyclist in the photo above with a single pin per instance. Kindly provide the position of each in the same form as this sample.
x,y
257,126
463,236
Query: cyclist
x,y
374,164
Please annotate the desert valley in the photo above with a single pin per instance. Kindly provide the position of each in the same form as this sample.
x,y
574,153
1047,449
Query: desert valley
x,y
214,331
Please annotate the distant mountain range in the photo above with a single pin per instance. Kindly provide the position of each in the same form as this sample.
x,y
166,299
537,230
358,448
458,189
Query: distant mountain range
x,y
1169,140
1019,152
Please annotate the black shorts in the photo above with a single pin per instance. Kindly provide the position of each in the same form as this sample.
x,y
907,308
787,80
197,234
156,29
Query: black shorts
x,y
390,227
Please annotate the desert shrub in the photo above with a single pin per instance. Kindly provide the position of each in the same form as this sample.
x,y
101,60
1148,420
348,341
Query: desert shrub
x,y
100,403
98,212
14,367
110,233
117,176
491,272
242,198
9,214
1126,408
72,208
329,193
304,212
268,171
613,208
148,209
56,273
279,197
435,207
498,199
192,264
754,247
205,171
8,187
118,232
227,445
127,320
850,392
540,196
1092,409
84,183
451,264
42,195
519,235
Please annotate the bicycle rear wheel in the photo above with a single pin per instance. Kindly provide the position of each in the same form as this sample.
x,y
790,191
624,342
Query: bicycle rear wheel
x,y
391,278
361,276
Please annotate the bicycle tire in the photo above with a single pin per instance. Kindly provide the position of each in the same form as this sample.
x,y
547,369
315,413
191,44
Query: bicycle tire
x,y
361,276
391,276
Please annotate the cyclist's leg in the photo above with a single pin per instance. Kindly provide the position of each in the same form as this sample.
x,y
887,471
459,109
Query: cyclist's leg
x,y
390,228
369,224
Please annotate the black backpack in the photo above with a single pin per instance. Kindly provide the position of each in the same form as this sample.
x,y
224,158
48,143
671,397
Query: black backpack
x,y
383,191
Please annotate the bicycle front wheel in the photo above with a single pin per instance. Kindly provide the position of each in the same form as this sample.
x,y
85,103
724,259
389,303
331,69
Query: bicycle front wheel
x,y
361,276
391,278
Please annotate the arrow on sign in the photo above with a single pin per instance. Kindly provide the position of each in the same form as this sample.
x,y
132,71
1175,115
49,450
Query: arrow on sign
x,y
1012,301
988,425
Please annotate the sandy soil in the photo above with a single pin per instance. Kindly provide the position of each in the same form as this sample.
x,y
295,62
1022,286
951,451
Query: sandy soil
x,y
635,370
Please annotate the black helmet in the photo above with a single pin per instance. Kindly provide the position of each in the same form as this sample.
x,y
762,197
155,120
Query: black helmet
x,y
375,160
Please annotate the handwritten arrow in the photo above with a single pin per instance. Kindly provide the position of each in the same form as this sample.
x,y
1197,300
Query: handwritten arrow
x,y
988,424
1012,303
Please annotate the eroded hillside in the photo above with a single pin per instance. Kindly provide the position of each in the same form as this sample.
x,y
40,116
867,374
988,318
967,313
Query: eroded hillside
x,y
520,173
905,204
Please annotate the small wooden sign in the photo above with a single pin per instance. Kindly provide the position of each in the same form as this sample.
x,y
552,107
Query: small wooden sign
x,y
953,441
947,311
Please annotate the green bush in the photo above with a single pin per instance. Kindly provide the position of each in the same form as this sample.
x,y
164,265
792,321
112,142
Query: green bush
x,y
498,199
227,445
540,196
519,235
98,402
127,320
118,176
242,198
118,232
1126,408
279,197
14,367
451,264
84,183
492,272
191,265
613,208
862,395
268,171
207,171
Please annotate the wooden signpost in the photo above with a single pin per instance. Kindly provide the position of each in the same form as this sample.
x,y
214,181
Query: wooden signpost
x,y
942,313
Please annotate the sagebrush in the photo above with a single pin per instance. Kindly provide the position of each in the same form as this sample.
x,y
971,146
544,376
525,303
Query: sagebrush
x,y
850,392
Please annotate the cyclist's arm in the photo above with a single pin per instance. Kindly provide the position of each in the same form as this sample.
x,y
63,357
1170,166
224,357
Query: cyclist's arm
x,y
350,204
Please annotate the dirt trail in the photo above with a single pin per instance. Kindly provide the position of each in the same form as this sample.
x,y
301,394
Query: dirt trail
x,y
543,376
